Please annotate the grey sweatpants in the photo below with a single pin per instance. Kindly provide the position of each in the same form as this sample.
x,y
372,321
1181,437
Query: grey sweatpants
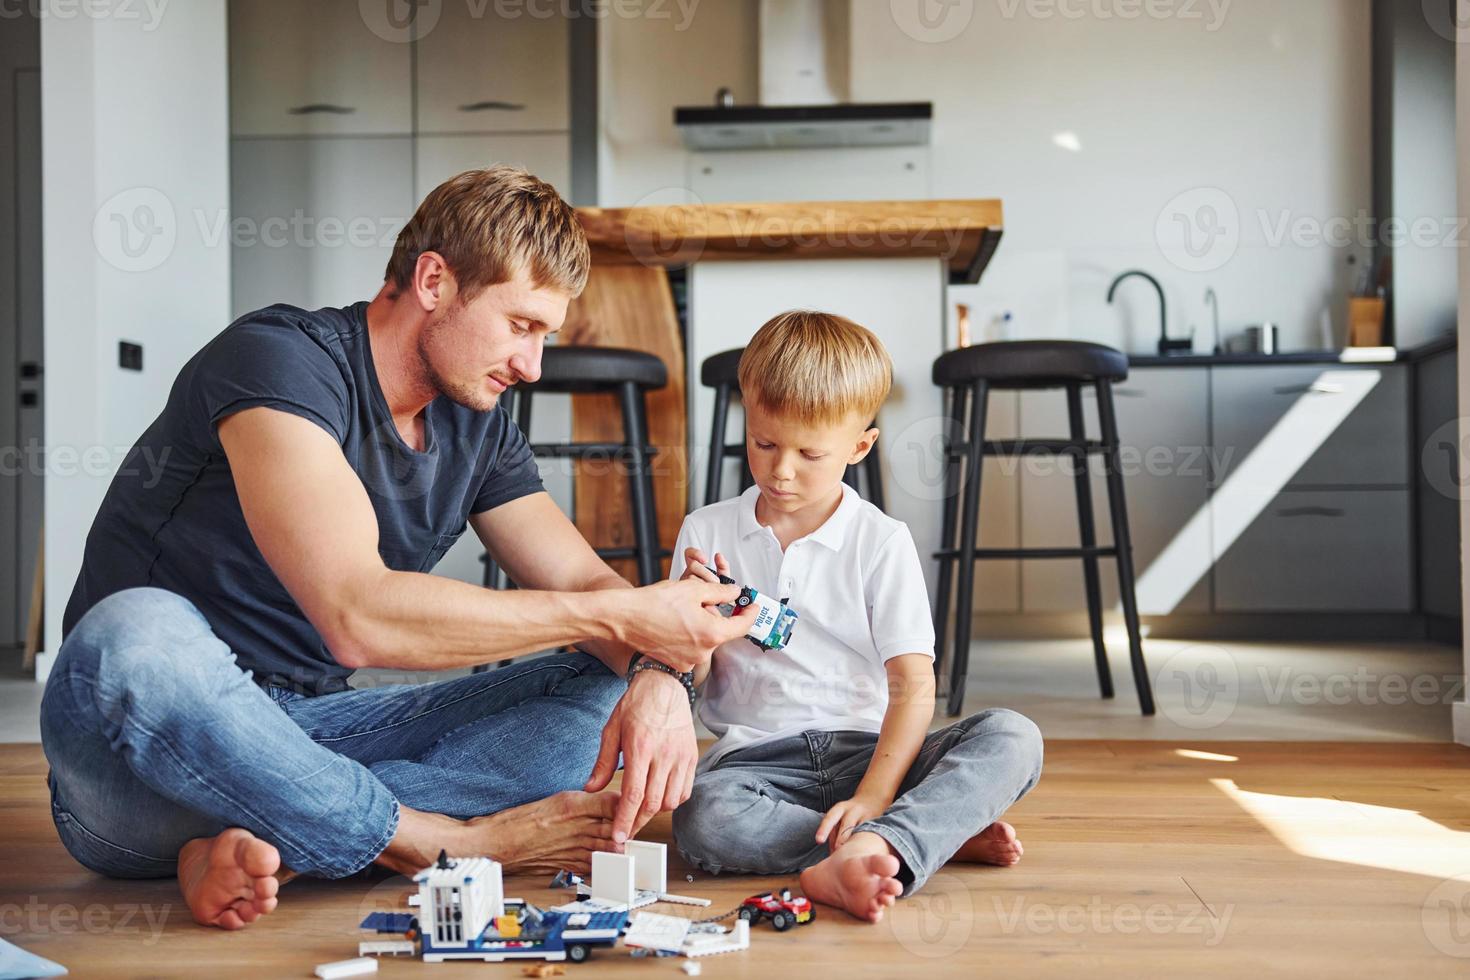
x,y
757,809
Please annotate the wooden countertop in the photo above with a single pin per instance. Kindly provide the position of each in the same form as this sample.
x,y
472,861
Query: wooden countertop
x,y
963,233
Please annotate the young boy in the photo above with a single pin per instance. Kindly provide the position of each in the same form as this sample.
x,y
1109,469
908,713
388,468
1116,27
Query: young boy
x,y
823,763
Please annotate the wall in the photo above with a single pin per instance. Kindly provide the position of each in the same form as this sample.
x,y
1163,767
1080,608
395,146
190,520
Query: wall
x,y
1096,132
1420,125
650,64
135,153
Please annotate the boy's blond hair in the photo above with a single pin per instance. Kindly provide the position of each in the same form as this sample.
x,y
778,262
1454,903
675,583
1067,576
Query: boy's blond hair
x,y
816,368
491,224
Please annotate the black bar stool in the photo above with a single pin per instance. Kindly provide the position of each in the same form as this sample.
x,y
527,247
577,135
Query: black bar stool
x,y
628,374
967,377
722,373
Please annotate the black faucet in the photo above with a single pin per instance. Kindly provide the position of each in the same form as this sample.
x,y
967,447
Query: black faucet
x,y
1166,346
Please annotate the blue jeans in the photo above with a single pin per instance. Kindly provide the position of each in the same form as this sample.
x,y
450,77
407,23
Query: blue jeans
x,y
757,810
156,736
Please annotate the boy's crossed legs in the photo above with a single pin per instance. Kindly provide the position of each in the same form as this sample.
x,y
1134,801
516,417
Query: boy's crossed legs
x,y
757,810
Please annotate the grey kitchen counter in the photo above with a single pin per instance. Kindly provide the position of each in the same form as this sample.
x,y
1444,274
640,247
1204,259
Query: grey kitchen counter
x,y
1436,346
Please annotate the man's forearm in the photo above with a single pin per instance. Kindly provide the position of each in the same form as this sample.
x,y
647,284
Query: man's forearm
x,y
613,654
413,621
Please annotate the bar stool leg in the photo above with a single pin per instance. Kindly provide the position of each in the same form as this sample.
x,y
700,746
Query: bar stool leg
x,y
1089,540
715,469
953,437
1123,542
640,481
970,520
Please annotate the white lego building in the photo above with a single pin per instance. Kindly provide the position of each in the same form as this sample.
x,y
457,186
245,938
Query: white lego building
x,y
458,898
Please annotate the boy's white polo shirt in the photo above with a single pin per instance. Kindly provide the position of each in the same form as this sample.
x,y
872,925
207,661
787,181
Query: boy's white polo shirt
x,y
858,587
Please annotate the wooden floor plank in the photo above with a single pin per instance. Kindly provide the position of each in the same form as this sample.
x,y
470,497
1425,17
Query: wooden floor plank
x,y
1138,863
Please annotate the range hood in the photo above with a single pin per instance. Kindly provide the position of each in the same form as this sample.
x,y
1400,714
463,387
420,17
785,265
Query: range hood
x,y
804,72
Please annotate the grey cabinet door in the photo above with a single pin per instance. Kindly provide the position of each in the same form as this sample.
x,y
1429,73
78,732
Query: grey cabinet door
x,y
315,219
494,68
1319,551
1442,470
1163,426
324,67
547,155
1313,425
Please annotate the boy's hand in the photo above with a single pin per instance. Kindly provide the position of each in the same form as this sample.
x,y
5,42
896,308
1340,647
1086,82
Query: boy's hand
x,y
837,825
696,566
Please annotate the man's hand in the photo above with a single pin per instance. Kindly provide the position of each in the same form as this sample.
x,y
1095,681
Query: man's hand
x,y
677,622
837,825
654,728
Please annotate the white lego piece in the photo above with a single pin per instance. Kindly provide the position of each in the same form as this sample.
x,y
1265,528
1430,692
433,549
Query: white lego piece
x,y
691,968
650,865
683,900
386,947
650,930
347,968
612,878
708,944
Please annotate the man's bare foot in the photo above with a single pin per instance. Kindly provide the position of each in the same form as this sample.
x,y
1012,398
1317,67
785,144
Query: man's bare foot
x,y
859,877
229,880
550,835
996,844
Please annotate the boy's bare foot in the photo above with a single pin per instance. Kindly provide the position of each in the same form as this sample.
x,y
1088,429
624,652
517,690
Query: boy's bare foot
x,y
229,880
996,844
858,877
555,834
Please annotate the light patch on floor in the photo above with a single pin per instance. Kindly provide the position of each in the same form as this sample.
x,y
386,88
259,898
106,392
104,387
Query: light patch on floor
x,y
1226,691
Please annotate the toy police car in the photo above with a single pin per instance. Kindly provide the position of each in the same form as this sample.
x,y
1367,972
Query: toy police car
x,y
774,621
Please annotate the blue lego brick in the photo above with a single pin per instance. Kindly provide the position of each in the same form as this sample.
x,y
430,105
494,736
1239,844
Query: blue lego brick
x,y
394,922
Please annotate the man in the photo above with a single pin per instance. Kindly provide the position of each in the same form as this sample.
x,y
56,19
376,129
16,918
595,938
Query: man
x,y
313,466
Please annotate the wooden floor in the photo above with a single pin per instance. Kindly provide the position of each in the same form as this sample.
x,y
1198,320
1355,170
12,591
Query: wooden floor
x,y
1142,859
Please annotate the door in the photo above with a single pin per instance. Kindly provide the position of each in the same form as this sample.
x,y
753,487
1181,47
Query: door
x,y
21,464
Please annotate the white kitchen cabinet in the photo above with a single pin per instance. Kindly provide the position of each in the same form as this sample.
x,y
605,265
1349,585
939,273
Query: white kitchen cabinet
x,y
315,219
998,583
317,68
1163,427
547,155
491,68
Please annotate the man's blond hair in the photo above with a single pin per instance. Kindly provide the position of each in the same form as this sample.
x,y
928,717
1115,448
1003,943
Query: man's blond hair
x,y
491,224
816,368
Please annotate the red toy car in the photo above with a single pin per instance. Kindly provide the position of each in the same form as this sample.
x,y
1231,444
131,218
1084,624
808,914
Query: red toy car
x,y
782,909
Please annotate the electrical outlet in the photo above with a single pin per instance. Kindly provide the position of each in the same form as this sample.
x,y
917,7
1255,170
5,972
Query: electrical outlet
x,y
129,356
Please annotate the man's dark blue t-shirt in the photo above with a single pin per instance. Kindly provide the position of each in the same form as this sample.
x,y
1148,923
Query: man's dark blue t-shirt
x,y
172,520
